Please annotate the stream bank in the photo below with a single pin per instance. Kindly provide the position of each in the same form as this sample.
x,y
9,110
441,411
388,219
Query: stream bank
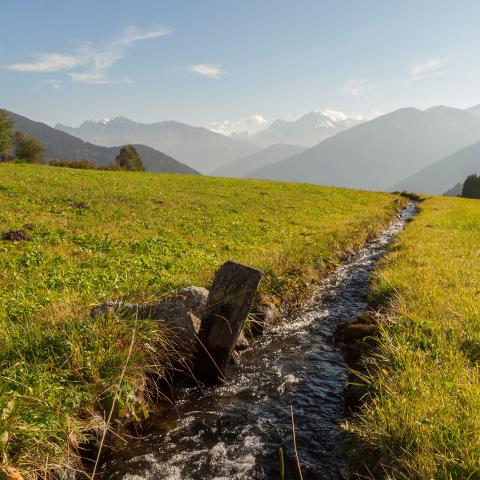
x,y
235,430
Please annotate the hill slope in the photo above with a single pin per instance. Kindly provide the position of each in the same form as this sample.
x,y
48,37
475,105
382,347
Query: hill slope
x,y
269,155
376,154
198,147
67,147
441,175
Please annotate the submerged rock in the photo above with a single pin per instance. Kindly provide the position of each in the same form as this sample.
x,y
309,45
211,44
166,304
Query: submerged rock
x,y
234,359
354,337
354,396
262,316
355,331
356,328
242,342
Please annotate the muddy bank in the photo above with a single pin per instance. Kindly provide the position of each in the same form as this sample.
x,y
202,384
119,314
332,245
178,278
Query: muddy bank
x,y
236,430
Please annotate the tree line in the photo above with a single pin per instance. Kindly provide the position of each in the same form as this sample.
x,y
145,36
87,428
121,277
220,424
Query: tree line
x,y
471,187
18,147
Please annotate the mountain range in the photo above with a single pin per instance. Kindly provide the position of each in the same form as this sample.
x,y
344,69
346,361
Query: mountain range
x,y
409,149
306,131
374,155
60,145
200,148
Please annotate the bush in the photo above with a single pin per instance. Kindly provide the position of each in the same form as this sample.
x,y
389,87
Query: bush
x,y
28,149
81,164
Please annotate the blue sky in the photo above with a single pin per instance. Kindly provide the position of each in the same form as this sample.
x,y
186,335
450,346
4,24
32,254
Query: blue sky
x,y
235,64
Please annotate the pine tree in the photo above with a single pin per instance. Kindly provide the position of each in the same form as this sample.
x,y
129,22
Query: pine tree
x,y
129,159
471,187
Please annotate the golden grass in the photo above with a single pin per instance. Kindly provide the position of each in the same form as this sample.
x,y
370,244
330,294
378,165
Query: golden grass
x,y
423,419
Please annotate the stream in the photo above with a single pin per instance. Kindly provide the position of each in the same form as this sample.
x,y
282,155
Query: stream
x,y
234,431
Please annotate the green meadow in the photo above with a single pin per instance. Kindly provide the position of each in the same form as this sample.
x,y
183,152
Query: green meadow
x,y
422,420
97,235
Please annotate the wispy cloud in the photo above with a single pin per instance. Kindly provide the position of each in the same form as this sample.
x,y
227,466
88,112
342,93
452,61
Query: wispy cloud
x,y
133,34
249,124
212,71
47,62
432,67
96,61
356,87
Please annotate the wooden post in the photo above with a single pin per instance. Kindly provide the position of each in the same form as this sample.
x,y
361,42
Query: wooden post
x,y
228,304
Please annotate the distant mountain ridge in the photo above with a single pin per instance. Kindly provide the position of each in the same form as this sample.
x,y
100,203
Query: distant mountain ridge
x,y
474,110
439,177
198,147
60,145
375,154
306,131
269,155
455,191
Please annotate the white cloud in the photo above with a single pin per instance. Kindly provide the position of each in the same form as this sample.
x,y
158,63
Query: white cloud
x,y
357,87
95,60
93,77
255,120
212,71
248,124
433,67
46,62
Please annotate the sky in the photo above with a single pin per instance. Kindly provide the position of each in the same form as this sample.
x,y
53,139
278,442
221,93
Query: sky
x,y
235,65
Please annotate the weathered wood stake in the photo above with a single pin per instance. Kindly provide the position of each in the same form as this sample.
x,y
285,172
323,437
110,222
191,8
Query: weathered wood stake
x,y
229,302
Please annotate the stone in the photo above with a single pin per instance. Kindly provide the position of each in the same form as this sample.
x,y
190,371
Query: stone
x,y
353,353
194,298
172,312
234,359
349,332
354,395
242,343
16,236
262,316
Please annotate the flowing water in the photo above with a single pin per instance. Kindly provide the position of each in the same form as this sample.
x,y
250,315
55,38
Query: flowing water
x,y
234,431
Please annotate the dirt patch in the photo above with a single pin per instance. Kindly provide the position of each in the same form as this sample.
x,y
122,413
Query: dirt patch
x,y
16,236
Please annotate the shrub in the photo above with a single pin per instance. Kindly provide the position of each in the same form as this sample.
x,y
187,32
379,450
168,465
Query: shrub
x,y
81,164
28,148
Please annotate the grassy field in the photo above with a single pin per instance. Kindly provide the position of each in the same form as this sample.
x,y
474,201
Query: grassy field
x,y
424,419
106,235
